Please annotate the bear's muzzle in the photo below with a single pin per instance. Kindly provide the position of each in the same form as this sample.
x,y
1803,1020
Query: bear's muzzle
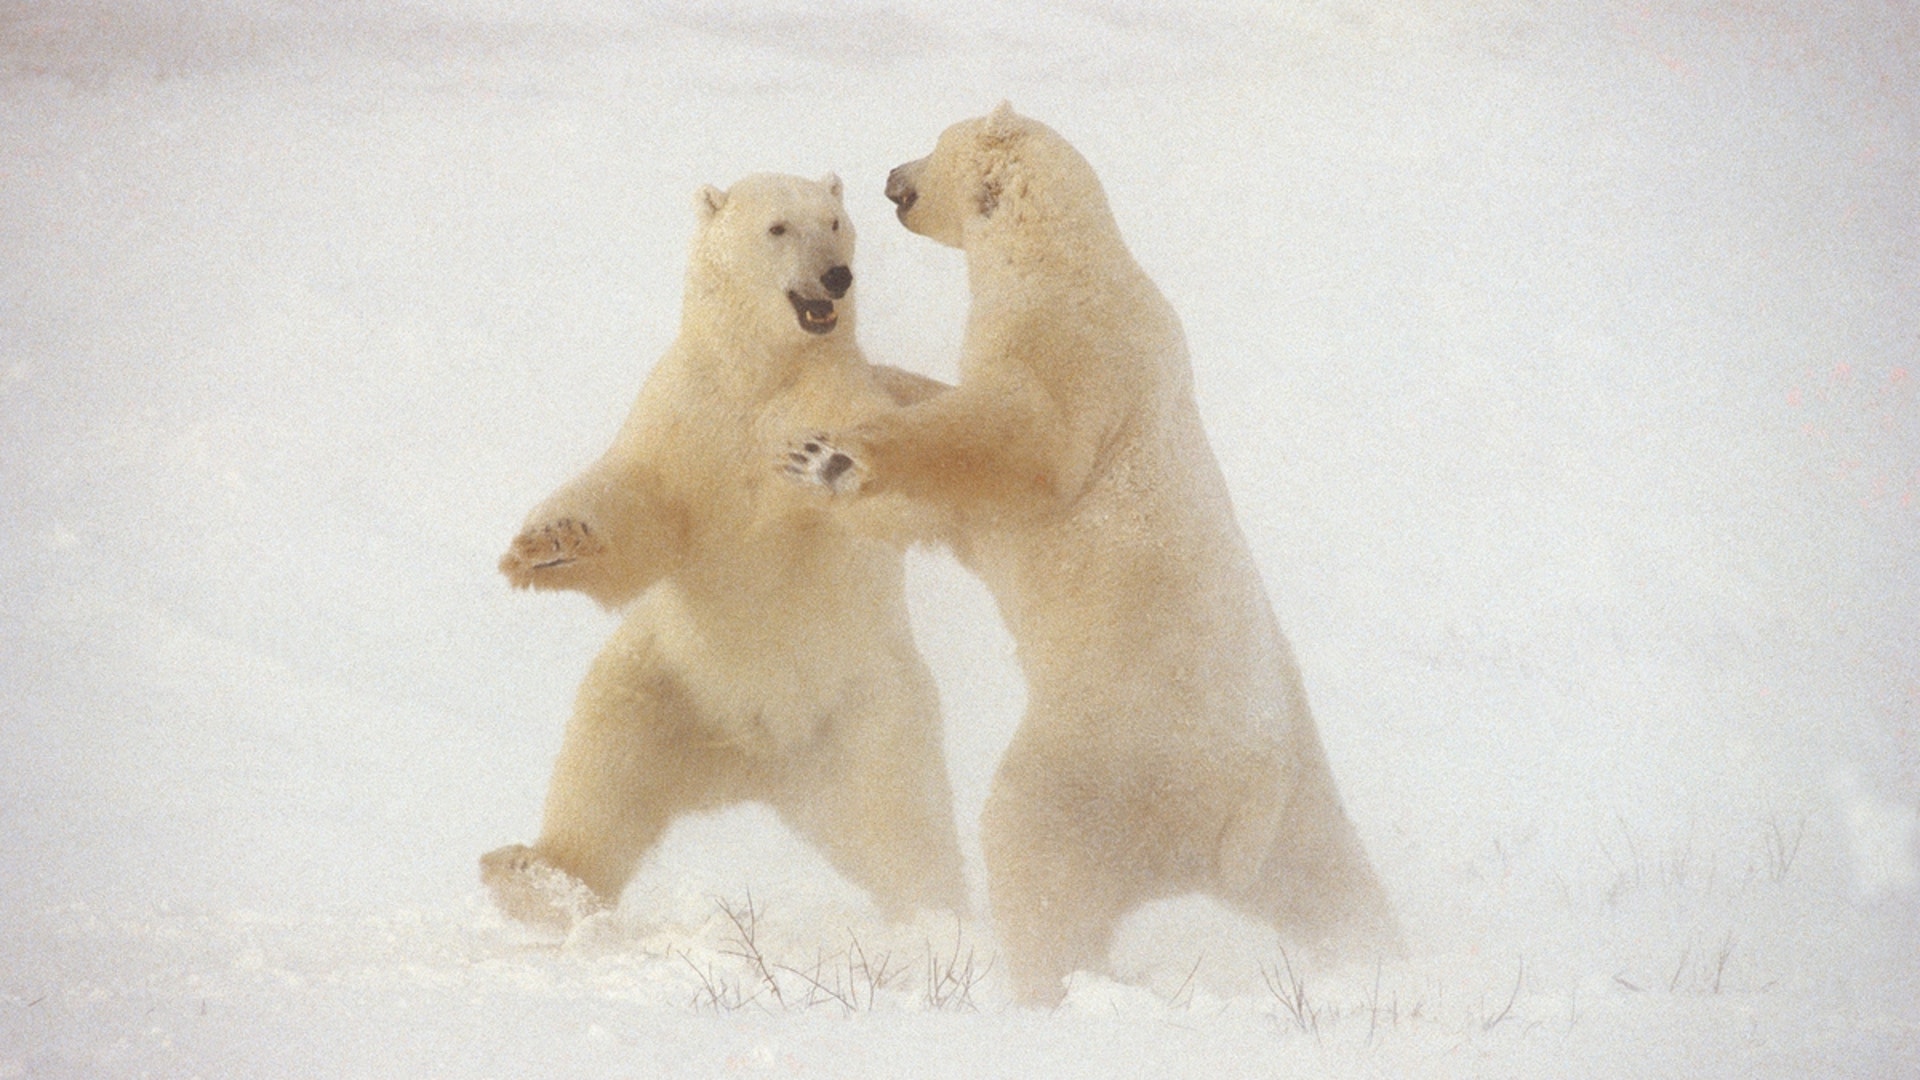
x,y
837,281
816,316
901,190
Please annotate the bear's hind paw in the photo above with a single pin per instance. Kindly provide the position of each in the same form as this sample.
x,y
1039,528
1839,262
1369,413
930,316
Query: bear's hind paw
x,y
532,890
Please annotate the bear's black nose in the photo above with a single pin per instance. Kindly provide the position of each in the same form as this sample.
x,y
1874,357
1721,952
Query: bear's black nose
x,y
837,281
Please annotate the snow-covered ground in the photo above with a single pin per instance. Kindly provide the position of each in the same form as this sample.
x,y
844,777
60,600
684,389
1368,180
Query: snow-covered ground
x,y
1564,359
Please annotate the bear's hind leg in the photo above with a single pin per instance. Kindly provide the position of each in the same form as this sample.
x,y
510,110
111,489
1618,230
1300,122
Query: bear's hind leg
x,y
632,760
882,810
1315,885
1061,874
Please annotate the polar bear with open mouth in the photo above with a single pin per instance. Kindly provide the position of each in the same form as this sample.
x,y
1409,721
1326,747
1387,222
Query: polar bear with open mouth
x,y
1167,746
768,655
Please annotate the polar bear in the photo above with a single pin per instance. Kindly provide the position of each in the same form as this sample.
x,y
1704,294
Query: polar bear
x,y
1167,746
768,656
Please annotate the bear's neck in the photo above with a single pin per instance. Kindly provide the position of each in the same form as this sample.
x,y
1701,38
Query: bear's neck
x,y
1038,260
746,368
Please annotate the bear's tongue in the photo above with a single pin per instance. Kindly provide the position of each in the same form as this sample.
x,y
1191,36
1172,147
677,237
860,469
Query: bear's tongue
x,y
816,316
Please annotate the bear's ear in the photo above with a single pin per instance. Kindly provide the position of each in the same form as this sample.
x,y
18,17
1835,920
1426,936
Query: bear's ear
x,y
999,137
708,201
831,182
1002,123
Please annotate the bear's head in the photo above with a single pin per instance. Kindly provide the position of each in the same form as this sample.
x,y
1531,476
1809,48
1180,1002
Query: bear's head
x,y
999,169
776,252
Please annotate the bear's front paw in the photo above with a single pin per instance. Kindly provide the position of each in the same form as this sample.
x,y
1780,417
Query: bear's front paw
x,y
816,461
548,547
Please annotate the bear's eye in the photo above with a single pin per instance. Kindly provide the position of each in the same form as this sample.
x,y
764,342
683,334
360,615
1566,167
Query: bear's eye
x,y
836,224
779,229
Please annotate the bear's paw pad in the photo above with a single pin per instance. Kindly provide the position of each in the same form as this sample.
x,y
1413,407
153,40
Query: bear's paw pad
x,y
816,461
550,546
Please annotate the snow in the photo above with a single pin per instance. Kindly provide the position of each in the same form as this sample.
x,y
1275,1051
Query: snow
x,y
1564,361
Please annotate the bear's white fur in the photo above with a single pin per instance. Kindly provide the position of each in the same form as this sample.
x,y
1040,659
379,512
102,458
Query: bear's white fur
x,y
768,656
1167,746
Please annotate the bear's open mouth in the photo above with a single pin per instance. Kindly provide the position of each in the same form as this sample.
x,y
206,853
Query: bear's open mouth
x,y
901,190
816,316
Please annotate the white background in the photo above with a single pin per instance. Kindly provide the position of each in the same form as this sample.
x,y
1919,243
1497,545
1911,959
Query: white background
x,y
1563,359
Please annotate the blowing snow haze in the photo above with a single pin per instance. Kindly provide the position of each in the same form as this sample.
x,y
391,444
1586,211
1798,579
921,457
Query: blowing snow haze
x,y
1560,359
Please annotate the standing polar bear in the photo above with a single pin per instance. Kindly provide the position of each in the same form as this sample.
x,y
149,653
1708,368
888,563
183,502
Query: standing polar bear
x,y
1167,746
768,656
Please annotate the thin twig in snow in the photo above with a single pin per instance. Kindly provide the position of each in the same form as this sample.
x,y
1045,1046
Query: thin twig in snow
x,y
1511,998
